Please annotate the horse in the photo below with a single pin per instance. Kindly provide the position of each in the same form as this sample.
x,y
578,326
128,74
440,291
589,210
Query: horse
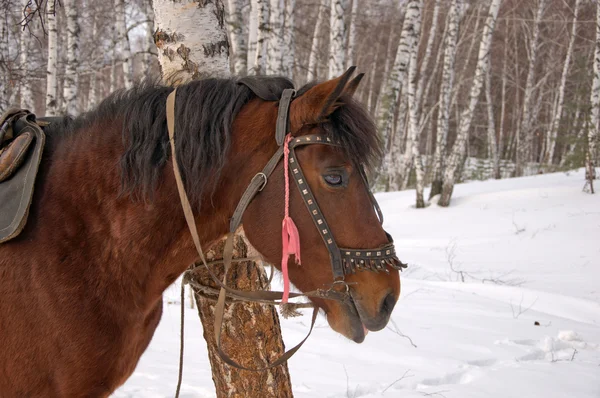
x,y
81,287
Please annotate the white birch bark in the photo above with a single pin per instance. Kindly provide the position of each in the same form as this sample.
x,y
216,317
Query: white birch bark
x,y
503,95
124,47
525,148
446,86
235,25
350,61
262,37
25,85
593,135
190,21
252,35
289,40
4,56
276,42
412,152
428,50
313,57
491,130
389,100
150,49
71,79
337,38
459,150
52,67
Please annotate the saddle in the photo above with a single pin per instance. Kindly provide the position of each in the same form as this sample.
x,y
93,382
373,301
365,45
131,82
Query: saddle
x,y
21,146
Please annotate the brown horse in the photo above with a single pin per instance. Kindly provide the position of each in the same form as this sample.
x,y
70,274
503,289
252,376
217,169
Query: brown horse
x,y
81,287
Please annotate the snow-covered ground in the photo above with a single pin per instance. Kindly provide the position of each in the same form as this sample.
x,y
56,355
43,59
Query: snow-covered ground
x,y
528,250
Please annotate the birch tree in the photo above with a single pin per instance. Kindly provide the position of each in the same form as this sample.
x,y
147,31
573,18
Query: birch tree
x,y
52,67
71,78
446,86
252,35
351,47
195,29
262,37
459,150
592,150
123,40
525,150
276,38
337,38
150,49
557,114
235,26
289,40
25,84
389,101
491,129
316,42
4,81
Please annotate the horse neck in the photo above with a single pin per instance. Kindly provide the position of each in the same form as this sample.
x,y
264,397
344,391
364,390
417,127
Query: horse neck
x,y
133,248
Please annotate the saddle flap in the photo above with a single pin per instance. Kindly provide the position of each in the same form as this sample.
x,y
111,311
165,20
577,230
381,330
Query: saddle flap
x,y
19,162
13,154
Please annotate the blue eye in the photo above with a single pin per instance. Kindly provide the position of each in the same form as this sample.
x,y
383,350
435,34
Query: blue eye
x,y
333,179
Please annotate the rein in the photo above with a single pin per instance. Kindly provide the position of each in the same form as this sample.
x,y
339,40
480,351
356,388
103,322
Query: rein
x,y
343,261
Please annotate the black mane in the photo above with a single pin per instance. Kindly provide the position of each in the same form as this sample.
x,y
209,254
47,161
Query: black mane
x,y
205,111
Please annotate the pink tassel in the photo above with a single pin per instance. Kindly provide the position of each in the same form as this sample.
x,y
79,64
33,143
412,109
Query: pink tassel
x,y
290,238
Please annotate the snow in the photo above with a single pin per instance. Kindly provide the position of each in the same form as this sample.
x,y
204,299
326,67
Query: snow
x,y
528,250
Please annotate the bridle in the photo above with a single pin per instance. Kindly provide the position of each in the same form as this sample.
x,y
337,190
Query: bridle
x,y
343,261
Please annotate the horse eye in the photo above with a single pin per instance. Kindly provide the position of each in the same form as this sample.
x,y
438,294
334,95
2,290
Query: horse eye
x,y
333,179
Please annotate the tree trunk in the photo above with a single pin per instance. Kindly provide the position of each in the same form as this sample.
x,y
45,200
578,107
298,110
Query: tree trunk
x,y
235,26
389,100
350,56
197,26
52,69
124,47
446,86
459,150
4,57
592,150
525,149
262,37
244,322
503,95
25,84
337,38
491,130
149,50
313,58
252,36
276,43
289,40
71,79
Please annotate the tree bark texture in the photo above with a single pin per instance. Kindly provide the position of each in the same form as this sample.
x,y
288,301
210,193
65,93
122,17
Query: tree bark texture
x,y
71,79
593,135
25,86
52,68
251,332
316,42
262,36
181,24
337,38
235,24
350,56
124,47
459,150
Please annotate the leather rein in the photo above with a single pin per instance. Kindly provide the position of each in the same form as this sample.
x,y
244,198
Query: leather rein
x,y
343,261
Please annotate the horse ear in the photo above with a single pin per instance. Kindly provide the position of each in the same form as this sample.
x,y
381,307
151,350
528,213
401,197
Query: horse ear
x,y
353,85
319,101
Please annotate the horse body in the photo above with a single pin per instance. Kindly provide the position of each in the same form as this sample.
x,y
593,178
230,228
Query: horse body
x,y
81,287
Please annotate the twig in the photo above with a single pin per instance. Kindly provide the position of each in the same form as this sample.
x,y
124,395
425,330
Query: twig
x,y
431,394
404,376
399,333
521,310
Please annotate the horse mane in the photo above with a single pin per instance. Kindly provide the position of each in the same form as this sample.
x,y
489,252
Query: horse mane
x,y
204,114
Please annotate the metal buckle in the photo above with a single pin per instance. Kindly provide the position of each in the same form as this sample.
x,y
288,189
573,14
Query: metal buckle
x,y
265,180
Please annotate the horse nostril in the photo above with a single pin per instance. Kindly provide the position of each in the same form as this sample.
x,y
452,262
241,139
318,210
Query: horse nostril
x,y
388,303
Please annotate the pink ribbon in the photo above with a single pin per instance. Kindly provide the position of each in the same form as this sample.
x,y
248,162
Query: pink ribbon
x,y
290,238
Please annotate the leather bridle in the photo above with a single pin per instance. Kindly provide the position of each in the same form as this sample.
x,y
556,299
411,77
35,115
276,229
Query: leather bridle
x,y
343,261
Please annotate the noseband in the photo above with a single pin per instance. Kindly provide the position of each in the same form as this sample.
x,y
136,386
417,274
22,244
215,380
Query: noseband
x,y
343,261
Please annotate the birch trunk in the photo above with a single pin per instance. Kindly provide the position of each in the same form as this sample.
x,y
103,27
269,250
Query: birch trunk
x,y
337,38
503,95
124,47
350,56
248,322
313,58
71,79
93,85
289,40
191,39
276,42
252,35
149,50
525,148
412,152
235,26
389,100
459,149
262,37
52,68
446,86
491,130
27,101
4,56
592,152
428,51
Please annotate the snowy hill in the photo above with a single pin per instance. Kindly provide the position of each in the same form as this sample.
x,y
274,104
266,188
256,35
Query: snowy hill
x,y
528,250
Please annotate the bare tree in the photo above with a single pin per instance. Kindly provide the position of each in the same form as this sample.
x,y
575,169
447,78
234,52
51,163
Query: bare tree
x,y
337,38
591,154
235,26
71,79
316,42
52,68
